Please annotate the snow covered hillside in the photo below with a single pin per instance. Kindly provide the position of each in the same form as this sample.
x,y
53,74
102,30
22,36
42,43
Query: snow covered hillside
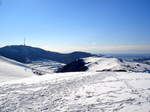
x,y
114,64
45,66
78,92
10,70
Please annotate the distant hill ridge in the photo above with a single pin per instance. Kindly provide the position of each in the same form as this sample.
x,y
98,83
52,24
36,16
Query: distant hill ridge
x,y
27,54
102,64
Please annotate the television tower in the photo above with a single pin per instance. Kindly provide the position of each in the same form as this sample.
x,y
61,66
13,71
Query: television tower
x,y
24,41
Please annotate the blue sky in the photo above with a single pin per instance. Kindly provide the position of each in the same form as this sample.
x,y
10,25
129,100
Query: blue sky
x,y
107,26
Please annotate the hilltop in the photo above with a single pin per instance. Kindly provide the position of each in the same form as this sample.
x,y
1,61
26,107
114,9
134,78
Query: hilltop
x,y
27,54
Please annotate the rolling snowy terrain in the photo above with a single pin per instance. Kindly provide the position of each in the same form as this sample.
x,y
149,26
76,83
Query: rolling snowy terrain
x,y
114,64
10,70
101,88
101,64
45,66
13,70
78,92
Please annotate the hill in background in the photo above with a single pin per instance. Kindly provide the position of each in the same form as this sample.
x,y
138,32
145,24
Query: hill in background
x,y
27,54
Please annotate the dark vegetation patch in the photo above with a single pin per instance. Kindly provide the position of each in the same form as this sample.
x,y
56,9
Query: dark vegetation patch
x,y
109,70
75,66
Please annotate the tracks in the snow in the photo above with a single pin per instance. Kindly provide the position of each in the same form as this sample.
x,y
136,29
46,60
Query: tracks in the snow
x,y
76,92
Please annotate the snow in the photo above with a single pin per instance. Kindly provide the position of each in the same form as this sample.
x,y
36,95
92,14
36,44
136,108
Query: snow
x,y
78,92
97,63
45,66
113,64
11,70
89,91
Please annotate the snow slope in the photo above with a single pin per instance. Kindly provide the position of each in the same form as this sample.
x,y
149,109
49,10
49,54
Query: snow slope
x,y
45,66
78,92
10,70
114,64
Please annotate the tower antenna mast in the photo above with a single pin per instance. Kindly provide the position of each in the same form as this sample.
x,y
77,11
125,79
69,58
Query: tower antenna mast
x,y
24,41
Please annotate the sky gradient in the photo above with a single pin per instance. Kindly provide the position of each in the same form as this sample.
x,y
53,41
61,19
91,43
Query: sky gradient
x,y
105,26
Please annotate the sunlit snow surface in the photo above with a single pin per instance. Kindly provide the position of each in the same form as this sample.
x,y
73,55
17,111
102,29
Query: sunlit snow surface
x,y
78,92
45,66
12,70
101,63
